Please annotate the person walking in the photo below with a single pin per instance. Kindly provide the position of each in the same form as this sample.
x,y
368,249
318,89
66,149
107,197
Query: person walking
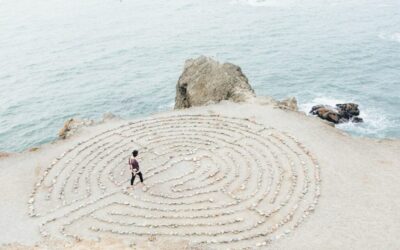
x,y
134,167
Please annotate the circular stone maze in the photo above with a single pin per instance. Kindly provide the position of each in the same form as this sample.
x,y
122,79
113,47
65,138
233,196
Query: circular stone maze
x,y
215,180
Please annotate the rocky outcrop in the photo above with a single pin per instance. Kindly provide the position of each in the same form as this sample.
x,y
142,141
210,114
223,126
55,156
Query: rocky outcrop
x,y
341,113
326,113
205,81
73,124
348,110
289,103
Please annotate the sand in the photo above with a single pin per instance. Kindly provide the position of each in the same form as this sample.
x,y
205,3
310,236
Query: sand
x,y
220,176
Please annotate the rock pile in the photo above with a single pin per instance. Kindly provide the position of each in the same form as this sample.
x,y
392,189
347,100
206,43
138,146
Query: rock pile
x,y
340,113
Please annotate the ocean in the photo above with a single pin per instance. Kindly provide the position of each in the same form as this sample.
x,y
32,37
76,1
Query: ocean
x,y
62,59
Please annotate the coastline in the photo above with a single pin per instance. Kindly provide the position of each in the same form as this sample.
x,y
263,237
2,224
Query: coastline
x,y
4,154
84,122
357,174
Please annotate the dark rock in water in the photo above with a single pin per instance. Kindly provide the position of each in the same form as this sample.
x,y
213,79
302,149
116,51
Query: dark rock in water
x,y
341,113
328,114
348,110
357,119
314,109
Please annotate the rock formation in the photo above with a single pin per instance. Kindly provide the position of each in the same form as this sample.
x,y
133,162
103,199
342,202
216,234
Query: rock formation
x,y
341,113
62,134
71,125
348,110
289,103
205,81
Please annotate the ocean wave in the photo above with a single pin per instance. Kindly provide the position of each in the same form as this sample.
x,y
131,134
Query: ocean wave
x,y
393,37
375,124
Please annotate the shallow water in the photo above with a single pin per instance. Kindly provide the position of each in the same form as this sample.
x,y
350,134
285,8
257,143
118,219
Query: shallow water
x,y
62,59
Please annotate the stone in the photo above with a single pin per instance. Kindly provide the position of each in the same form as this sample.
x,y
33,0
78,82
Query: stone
x,y
288,103
72,125
316,107
34,149
62,134
348,110
339,114
205,81
357,119
328,114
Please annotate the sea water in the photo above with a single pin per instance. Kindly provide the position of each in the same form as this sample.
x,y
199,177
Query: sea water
x,y
62,59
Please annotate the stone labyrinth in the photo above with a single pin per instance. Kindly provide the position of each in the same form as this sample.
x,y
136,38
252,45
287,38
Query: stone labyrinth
x,y
215,180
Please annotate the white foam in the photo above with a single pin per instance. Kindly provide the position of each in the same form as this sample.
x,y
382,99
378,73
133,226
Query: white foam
x,y
375,124
306,107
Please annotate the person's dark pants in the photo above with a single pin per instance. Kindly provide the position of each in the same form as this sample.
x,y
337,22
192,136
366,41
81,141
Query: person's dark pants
x,y
133,177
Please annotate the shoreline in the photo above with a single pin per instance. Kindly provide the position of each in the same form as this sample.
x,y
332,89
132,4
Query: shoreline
x,y
4,154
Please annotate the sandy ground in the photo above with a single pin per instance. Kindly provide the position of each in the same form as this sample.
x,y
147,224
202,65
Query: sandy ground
x,y
254,158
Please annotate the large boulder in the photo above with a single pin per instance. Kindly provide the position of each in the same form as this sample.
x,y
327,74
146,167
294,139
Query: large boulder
x,y
205,81
338,114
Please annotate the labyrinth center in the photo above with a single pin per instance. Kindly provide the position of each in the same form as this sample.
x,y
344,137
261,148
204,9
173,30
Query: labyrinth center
x,y
222,181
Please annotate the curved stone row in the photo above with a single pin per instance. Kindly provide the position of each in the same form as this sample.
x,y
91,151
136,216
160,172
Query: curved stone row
x,y
212,179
